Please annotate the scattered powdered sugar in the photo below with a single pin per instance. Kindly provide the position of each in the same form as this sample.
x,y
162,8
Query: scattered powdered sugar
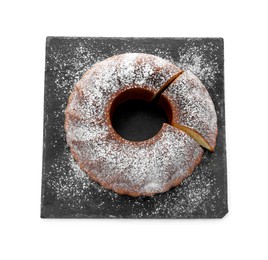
x,y
201,61
66,188
71,187
193,194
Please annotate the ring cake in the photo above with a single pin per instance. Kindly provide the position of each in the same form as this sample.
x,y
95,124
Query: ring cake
x,y
148,167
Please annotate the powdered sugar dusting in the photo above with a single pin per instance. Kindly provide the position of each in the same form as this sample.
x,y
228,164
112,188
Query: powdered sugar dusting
x,y
192,192
201,60
71,186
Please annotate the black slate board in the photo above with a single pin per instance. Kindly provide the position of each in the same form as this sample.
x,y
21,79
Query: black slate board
x,y
67,192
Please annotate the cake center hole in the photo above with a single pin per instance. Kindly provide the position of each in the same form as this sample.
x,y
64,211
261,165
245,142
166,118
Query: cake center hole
x,y
138,120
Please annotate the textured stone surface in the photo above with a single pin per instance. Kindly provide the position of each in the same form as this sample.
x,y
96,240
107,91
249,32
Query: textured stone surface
x,y
68,192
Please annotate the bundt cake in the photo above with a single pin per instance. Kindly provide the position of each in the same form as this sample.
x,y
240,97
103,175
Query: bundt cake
x,y
154,165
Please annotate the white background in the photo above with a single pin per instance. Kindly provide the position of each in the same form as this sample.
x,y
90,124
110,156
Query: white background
x,y
241,234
